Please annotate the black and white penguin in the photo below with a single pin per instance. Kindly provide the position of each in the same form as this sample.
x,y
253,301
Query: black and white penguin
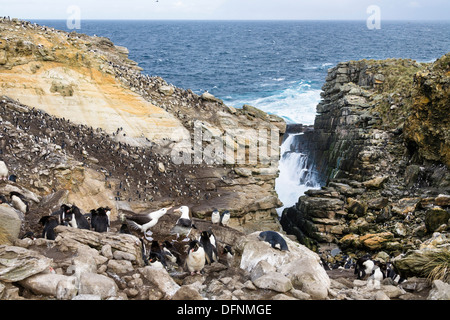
x,y
275,240
392,273
171,252
374,281
364,267
75,219
156,260
228,252
143,222
215,217
19,202
195,260
184,224
225,218
209,246
64,212
100,219
3,171
156,252
49,223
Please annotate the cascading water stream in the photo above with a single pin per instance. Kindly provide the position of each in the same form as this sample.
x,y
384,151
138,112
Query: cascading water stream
x,y
296,176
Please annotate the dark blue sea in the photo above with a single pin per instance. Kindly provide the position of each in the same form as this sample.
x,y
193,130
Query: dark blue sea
x,y
277,66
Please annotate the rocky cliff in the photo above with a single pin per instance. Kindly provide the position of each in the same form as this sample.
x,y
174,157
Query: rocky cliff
x,y
380,145
78,115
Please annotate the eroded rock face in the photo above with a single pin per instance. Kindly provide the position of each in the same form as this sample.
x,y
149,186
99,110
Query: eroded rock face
x,y
382,167
97,103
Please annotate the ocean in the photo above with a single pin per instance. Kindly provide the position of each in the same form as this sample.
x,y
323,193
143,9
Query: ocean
x,y
277,66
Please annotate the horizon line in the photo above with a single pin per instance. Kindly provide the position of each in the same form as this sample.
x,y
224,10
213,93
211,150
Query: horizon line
x,y
243,20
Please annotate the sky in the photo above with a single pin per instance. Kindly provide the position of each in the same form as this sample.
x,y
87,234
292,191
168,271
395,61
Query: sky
x,y
227,9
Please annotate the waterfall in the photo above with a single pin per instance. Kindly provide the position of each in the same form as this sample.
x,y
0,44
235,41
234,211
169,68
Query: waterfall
x,y
296,176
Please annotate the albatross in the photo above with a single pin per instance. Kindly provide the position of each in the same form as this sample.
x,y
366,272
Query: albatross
x,y
184,224
143,222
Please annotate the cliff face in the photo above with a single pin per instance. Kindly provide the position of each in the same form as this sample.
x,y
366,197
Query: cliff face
x,y
114,130
380,146
427,128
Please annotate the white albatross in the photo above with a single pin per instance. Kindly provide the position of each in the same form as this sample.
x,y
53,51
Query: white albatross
x,y
143,222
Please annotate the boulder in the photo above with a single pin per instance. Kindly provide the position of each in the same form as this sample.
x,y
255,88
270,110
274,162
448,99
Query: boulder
x,y
19,263
57,285
413,262
209,97
167,90
120,266
125,245
375,183
273,281
435,217
187,292
439,291
443,200
10,224
320,207
97,284
161,279
87,297
357,207
376,241
300,265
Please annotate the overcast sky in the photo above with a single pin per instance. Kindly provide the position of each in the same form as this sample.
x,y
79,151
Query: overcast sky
x,y
228,9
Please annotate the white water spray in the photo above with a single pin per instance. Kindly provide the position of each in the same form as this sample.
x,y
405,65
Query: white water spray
x,y
295,176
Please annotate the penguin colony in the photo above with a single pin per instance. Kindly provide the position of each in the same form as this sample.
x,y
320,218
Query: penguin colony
x,y
136,167
199,250
131,172
123,162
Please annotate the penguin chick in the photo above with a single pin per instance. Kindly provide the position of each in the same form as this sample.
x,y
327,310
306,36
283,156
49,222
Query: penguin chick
x,y
225,218
215,216
195,260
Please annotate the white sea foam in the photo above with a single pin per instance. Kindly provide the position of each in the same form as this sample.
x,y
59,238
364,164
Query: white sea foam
x,y
296,104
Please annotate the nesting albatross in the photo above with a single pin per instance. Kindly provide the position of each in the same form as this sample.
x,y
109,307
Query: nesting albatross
x,y
143,222
184,224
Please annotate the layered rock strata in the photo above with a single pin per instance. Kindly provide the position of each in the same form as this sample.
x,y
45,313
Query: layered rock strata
x,y
379,145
